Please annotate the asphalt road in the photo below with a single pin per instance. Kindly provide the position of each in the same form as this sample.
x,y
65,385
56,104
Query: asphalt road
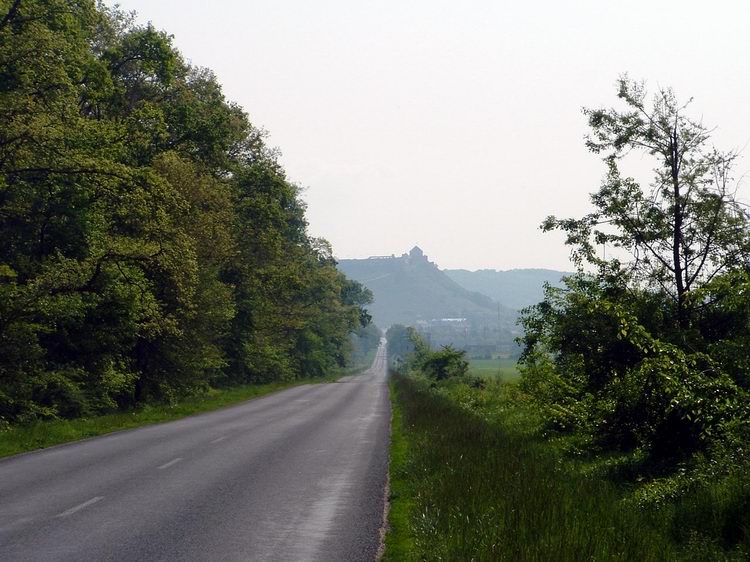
x,y
296,475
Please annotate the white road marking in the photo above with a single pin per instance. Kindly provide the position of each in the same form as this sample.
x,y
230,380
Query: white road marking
x,y
219,439
170,463
80,506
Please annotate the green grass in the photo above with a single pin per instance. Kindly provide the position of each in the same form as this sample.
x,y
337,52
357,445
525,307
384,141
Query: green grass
x,y
471,487
504,369
41,434
399,542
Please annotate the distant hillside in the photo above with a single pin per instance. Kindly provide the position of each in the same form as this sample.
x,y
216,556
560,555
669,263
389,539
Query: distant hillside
x,y
410,288
515,288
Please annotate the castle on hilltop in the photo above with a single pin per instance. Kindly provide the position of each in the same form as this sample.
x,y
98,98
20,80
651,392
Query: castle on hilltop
x,y
415,255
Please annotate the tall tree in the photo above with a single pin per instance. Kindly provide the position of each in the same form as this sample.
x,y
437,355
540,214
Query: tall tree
x,y
682,229
647,352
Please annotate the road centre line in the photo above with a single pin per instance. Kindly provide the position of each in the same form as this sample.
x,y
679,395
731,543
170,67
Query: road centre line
x,y
80,506
170,463
219,439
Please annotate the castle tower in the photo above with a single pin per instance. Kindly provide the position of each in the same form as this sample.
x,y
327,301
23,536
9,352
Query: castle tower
x,y
416,253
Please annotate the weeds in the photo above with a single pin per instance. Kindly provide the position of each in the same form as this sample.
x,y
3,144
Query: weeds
x,y
480,491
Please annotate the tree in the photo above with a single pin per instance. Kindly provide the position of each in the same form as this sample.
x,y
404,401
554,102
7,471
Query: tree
x,y
446,363
682,230
647,352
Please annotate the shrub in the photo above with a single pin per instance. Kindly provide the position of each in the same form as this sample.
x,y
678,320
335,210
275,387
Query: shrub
x,y
445,364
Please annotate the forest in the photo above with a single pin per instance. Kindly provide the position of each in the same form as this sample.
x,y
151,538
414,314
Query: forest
x,y
151,246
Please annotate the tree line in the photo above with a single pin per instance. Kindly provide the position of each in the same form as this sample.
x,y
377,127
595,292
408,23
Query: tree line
x,y
151,245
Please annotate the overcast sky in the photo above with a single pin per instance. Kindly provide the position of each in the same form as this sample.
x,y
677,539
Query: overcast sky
x,y
455,125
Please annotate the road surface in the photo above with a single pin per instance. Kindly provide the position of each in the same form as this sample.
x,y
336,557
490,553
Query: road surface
x,y
296,475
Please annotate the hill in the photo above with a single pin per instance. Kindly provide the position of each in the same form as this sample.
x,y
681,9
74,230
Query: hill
x,y
515,288
410,288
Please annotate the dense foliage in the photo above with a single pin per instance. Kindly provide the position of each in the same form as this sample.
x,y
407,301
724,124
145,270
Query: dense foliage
x,y
150,243
408,351
644,356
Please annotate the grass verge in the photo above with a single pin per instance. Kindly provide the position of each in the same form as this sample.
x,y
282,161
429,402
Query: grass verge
x,y
470,487
46,433
399,544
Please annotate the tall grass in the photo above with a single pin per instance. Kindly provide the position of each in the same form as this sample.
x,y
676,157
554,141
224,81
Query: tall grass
x,y
481,491
713,522
399,541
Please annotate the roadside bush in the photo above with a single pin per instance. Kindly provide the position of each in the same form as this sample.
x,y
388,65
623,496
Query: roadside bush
x,y
594,367
446,363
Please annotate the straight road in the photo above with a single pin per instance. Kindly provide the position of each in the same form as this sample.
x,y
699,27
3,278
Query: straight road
x,y
296,475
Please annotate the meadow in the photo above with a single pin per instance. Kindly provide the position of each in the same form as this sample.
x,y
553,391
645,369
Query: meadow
x,y
503,368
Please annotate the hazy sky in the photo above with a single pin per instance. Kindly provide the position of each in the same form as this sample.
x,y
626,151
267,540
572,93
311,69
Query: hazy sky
x,y
455,125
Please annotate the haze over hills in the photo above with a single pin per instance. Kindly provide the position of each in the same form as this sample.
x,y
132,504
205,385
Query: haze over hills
x,y
514,288
473,310
410,288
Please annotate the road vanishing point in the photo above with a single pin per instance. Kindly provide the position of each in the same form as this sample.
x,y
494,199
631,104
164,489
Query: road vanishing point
x,y
296,475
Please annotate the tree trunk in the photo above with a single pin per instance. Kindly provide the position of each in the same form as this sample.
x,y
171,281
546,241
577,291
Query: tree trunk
x,y
674,155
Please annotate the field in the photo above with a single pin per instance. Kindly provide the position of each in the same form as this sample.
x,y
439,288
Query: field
x,y
504,369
